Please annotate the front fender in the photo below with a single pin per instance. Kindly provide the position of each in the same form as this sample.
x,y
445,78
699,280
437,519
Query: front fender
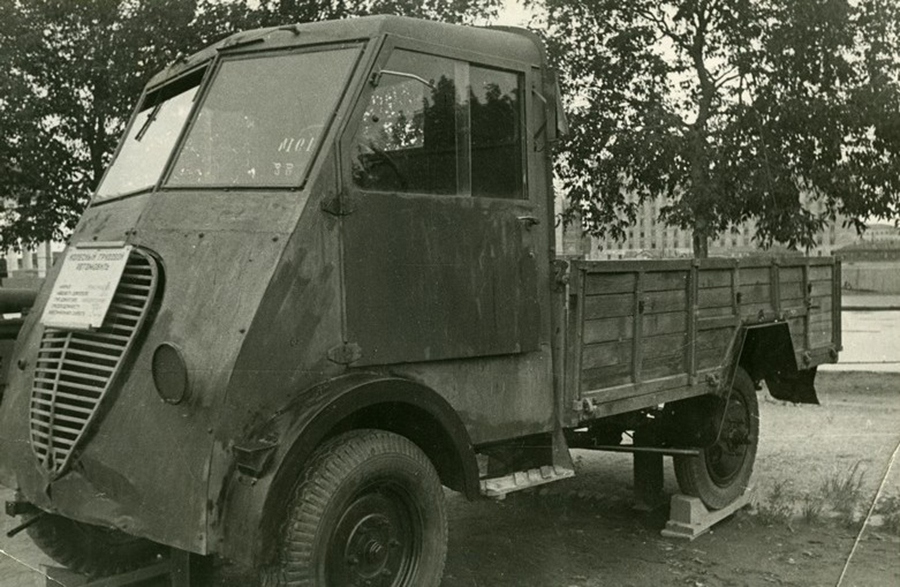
x,y
269,461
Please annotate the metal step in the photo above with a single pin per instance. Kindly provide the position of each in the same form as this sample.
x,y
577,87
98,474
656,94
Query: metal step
x,y
497,487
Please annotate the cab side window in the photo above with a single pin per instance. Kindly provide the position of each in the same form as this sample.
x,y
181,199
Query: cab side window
x,y
407,141
439,126
495,104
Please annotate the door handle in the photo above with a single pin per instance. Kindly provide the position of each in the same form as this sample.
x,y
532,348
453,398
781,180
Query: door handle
x,y
529,221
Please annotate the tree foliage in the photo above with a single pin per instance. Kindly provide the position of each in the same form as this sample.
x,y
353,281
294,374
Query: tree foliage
x,y
72,72
781,111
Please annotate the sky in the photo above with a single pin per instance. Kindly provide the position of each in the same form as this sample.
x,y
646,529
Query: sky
x,y
513,13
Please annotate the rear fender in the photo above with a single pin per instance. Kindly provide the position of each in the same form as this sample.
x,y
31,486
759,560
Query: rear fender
x,y
269,462
767,352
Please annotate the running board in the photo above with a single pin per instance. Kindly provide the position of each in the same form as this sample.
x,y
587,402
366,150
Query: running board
x,y
498,487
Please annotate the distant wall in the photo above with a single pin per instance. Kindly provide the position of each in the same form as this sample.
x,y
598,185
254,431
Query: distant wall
x,y
881,277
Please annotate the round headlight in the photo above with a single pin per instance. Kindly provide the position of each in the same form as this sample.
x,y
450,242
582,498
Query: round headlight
x,y
170,374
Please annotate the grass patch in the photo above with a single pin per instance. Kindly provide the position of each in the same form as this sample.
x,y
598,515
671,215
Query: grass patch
x,y
778,505
888,508
840,497
843,490
811,507
842,493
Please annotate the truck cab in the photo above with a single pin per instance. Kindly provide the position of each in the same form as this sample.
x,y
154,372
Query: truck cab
x,y
305,230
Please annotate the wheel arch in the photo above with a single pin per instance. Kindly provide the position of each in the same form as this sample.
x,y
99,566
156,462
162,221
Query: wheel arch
x,y
757,351
402,406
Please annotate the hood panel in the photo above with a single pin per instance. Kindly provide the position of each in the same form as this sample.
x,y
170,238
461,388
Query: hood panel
x,y
217,254
226,212
111,221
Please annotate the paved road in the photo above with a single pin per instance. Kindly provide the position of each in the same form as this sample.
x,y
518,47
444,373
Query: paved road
x,y
21,563
871,342
870,301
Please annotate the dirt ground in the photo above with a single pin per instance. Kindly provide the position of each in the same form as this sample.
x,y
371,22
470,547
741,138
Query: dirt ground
x,y
818,469
582,532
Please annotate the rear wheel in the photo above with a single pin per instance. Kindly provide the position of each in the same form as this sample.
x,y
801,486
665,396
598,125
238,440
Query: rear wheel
x,y
91,550
369,511
721,473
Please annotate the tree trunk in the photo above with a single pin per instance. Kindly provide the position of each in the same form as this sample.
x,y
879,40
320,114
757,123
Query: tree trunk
x,y
701,244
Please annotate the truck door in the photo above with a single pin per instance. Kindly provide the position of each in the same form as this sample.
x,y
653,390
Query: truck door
x,y
439,236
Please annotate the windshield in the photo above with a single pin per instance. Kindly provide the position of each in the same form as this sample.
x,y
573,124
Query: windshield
x,y
262,121
149,141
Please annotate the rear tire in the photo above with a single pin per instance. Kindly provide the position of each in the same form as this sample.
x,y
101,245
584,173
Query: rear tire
x,y
91,550
368,511
721,474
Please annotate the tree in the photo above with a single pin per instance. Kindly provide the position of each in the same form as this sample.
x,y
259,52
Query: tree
x,y
72,72
782,111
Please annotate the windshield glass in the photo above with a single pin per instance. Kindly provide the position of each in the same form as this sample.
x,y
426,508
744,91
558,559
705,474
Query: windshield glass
x,y
261,123
149,141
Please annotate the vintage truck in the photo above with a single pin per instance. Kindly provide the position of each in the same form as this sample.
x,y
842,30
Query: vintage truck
x,y
319,281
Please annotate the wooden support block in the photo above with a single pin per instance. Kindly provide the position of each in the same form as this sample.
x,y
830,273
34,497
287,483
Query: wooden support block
x,y
648,482
689,518
180,571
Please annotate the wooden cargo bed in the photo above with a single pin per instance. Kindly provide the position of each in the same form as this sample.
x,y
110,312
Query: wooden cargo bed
x,y
641,333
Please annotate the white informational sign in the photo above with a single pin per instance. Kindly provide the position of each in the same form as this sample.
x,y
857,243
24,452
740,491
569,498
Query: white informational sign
x,y
85,287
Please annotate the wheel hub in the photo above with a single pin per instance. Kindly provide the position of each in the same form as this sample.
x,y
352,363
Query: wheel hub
x,y
374,551
726,457
373,543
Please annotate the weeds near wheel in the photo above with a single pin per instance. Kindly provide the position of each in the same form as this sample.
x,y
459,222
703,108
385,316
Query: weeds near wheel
x,y
778,505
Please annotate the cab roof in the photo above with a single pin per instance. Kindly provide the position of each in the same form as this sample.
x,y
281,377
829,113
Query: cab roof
x,y
505,42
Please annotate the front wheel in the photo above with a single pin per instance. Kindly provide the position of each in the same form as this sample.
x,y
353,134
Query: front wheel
x,y
368,511
721,473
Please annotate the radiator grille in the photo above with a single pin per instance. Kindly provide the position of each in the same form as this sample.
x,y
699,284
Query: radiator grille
x,y
75,370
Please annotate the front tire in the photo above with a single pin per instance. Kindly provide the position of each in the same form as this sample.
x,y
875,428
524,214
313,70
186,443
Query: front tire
x,y
721,473
368,511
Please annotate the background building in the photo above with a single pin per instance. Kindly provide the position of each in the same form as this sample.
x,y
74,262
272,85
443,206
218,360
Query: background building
x,y
869,263
24,268
649,238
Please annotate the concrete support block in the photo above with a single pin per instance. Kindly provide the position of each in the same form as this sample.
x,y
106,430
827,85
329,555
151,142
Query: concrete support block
x,y
689,518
